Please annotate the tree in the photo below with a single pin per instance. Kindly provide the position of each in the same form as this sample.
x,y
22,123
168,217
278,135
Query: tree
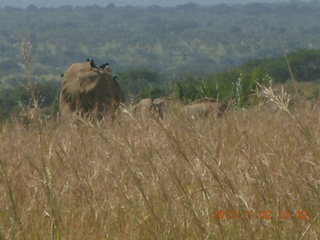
x,y
138,81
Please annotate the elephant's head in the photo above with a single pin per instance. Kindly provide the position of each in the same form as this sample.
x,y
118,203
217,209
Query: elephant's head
x,y
143,110
165,106
159,108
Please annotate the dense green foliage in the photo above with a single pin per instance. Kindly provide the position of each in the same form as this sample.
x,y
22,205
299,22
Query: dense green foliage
x,y
184,38
304,64
13,100
142,83
234,86
189,52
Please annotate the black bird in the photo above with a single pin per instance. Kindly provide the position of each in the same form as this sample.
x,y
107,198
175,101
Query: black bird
x,y
62,75
102,66
115,80
88,59
92,64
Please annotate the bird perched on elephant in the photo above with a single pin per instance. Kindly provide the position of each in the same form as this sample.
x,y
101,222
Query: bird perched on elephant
x,y
89,91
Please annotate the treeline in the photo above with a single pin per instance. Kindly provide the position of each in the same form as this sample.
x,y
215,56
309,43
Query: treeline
x,y
236,86
303,65
167,40
187,51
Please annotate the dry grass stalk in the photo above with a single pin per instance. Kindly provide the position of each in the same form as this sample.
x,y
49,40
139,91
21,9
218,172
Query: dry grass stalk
x,y
125,180
25,50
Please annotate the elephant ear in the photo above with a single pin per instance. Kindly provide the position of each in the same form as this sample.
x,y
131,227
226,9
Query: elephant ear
x,y
71,81
88,80
69,92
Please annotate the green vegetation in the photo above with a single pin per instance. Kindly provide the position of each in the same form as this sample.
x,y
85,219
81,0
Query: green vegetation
x,y
233,86
192,52
142,83
236,86
304,63
199,39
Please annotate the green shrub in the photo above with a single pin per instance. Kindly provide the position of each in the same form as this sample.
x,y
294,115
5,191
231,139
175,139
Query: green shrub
x,y
233,86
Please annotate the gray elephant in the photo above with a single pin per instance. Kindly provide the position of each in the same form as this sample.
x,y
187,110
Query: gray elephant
x,y
149,108
165,106
89,91
204,108
143,110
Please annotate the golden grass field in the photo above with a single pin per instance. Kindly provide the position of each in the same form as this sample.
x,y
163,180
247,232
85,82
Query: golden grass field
x,y
129,179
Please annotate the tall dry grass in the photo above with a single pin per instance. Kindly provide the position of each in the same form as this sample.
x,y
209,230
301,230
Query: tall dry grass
x,y
129,179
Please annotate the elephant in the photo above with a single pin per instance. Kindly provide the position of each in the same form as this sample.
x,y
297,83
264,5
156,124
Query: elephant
x,y
89,91
204,108
143,110
165,106
159,107
162,107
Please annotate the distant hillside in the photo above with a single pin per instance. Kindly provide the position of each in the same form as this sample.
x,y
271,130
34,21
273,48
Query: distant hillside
x,y
163,3
187,38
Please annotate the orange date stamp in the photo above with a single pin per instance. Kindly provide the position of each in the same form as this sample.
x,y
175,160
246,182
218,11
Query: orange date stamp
x,y
259,214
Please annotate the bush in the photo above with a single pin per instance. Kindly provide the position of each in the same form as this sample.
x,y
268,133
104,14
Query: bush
x,y
304,63
21,97
234,85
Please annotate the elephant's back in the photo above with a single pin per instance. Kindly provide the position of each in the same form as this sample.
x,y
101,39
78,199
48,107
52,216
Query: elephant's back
x,y
76,68
205,107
